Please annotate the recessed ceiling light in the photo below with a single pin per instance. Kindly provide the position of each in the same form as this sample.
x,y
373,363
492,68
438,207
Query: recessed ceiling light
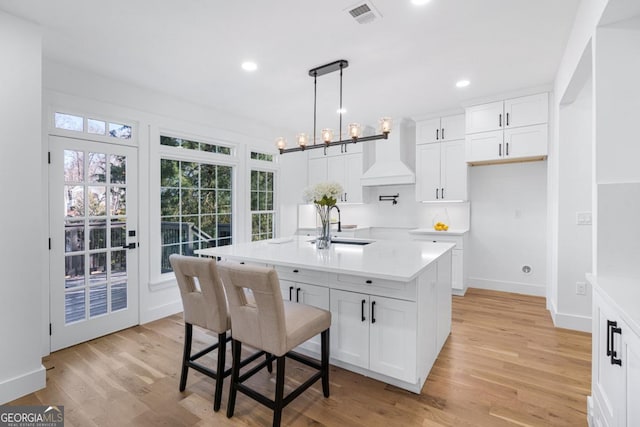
x,y
420,2
249,66
462,83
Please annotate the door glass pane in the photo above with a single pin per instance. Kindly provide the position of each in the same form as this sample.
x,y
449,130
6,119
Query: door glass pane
x,y
73,271
73,235
97,268
118,205
97,127
74,200
118,169
97,300
73,166
74,305
97,234
97,201
97,167
118,280
118,232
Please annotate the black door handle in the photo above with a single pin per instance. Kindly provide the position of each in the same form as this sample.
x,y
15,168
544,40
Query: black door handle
x,y
130,246
297,294
364,301
373,312
290,291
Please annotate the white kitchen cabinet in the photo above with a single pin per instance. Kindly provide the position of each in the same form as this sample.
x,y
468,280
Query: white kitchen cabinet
x,y
441,171
458,262
374,332
440,129
511,113
507,131
345,169
615,364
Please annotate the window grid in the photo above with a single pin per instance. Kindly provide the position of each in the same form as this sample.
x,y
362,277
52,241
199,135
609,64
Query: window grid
x,y
262,205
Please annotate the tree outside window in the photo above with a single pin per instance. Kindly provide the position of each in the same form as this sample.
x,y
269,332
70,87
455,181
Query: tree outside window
x,y
262,206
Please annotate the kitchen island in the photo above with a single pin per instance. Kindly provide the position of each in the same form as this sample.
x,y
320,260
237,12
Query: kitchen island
x,y
390,301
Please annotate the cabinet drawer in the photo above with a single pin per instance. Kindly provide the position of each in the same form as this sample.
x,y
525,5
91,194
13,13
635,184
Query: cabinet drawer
x,y
373,286
458,240
302,275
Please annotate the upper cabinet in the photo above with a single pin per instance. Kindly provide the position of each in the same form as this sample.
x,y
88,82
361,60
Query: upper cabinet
x,y
440,129
343,168
507,131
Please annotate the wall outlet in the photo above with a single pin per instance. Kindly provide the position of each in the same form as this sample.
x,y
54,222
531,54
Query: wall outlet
x,y
581,288
583,218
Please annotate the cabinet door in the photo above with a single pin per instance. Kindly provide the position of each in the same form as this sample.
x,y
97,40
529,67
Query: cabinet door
x,y
335,172
288,290
393,338
608,379
526,110
632,359
525,142
428,131
350,327
317,296
317,170
453,175
484,118
483,147
428,172
452,127
352,175
457,270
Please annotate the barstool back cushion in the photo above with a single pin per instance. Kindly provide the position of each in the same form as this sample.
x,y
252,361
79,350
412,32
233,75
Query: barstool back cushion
x,y
206,307
261,325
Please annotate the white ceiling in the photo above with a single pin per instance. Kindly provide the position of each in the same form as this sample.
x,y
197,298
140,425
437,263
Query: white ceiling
x,y
404,65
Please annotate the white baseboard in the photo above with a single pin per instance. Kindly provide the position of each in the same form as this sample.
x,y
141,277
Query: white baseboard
x,y
21,385
504,286
569,321
155,313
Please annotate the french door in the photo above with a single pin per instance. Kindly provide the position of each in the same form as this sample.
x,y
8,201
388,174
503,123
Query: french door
x,y
93,197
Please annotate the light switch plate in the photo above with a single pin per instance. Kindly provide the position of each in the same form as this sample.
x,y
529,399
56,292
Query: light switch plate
x,y
583,218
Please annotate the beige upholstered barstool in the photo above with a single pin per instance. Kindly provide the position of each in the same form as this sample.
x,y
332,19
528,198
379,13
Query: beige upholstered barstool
x,y
205,307
274,326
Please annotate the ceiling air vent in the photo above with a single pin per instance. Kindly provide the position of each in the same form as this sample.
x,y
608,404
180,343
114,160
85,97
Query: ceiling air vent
x,y
364,13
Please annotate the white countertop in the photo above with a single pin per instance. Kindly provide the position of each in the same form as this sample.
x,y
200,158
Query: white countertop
x,y
382,259
451,231
623,293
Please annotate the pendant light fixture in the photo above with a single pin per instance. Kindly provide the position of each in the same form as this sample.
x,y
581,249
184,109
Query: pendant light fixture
x,y
354,129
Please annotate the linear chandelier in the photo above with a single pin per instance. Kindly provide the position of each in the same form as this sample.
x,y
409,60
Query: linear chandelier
x,y
355,130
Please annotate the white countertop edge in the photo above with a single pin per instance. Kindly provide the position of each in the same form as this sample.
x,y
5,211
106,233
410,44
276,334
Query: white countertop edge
x,y
451,231
623,293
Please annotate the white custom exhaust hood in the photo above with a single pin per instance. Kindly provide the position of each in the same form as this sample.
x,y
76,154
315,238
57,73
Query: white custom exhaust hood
x,y
392,160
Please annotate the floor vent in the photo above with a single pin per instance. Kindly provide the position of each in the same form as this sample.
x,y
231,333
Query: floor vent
x,y
364,13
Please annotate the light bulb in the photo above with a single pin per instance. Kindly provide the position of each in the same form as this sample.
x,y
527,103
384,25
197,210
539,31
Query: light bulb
x,y
327,135
354,130
385,124
281,143
303,139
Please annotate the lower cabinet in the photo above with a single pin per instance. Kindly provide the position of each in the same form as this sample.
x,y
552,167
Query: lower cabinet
x,y
616,367
459,266
375,333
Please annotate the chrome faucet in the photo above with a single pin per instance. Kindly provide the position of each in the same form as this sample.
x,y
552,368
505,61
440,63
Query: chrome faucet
x,y
339,222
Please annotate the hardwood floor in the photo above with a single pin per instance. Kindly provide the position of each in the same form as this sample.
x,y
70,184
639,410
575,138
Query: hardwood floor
x,y
504,364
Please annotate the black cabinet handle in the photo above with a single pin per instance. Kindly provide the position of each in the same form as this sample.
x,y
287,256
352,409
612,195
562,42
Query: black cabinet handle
x,y
437,189
242,262
345,197
507,150
614,353
609,335
499,150
368,282
373,312
362,310
437,130
295,271
290,290
442,192
507,119
442,133
297,294
499,120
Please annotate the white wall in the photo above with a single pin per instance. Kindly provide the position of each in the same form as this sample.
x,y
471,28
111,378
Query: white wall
x,y
508,227
574,182
21,225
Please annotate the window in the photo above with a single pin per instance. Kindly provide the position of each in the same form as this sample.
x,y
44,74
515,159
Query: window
x,y
262,209
93,126
194,145
195,207
261,156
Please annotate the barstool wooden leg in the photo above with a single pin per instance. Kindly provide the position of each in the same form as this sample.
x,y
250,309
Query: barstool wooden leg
x,y
324,361
222,347
188,334
236,349
279,398
270,365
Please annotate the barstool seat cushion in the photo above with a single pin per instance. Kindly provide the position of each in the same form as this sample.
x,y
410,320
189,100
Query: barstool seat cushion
x,y
303,322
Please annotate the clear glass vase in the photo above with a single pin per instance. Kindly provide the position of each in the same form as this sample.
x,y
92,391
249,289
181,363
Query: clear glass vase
x,y
323,223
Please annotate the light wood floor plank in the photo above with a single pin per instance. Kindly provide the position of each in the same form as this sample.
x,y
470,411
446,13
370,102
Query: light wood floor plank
x,y
503,365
